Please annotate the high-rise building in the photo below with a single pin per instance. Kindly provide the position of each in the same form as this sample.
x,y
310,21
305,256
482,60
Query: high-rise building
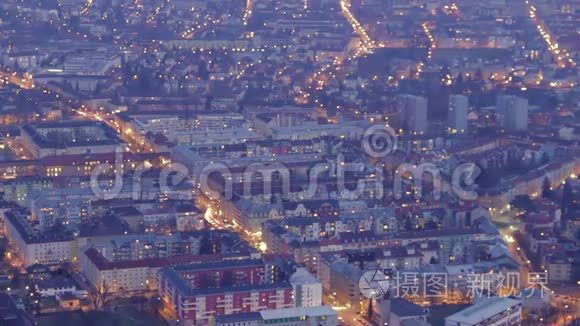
x,y
413,112
457,114
512,112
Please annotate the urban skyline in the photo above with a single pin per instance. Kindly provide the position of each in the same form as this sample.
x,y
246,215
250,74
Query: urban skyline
x,y
289,162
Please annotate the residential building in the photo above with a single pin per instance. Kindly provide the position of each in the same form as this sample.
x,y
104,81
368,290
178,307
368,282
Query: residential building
x,y
307,289
198,305
300,316
493,311
69,138
35,247
413,112
457,114
512,112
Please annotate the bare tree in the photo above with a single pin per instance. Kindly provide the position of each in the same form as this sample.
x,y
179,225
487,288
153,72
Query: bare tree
x,y
95,298
100,294
104,292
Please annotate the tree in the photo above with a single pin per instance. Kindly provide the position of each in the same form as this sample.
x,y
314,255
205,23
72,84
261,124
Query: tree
x,y
202,72
523,203
155,304
567,199
408,224
32,300
431,225
459,83
370,309
208,102
489,177
547,191
100,294
545,158
3,247
478,74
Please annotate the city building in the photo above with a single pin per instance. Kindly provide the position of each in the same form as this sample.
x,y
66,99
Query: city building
x,y
233,161
413,112
399,312
69,138
32,246
488,311
457,114
307,289
300,316
512,112
560,268
195,305
58,286
11,314
131,262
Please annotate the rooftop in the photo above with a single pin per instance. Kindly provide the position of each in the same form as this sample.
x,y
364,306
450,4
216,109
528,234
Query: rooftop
x,y
103,263
484,309
186,289
30,234
296,312
71,133
404,308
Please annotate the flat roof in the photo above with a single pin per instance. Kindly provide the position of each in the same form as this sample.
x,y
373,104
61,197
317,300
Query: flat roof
x,y
109,135
103,263
482,310
297,312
